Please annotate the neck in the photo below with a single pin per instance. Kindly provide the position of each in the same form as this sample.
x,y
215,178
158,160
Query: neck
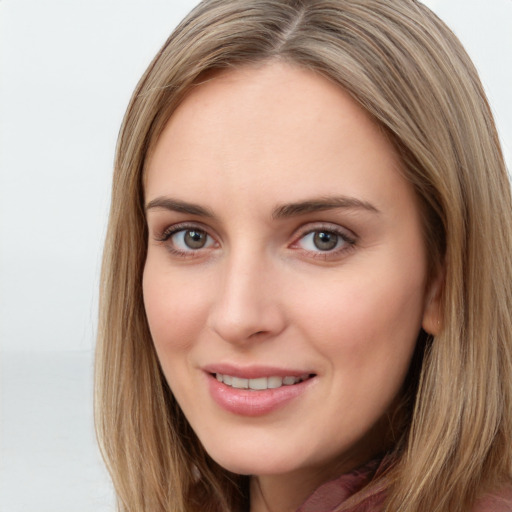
x,y
287,492
277,493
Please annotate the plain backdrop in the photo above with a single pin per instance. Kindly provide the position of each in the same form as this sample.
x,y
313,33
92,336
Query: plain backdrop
x,y
67,70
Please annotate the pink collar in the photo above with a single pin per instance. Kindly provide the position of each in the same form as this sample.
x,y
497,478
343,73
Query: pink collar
x,y
332,494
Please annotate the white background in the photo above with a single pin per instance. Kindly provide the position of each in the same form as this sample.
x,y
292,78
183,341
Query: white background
x,y
67,70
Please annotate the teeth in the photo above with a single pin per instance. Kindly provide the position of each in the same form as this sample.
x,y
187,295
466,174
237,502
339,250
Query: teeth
x,y
274,382
260,383
240,383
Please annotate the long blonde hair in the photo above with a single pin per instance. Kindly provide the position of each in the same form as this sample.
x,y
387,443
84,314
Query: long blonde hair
x,y
408,70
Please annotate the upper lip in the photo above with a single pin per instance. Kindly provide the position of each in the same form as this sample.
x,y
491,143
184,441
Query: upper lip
x,y
254,371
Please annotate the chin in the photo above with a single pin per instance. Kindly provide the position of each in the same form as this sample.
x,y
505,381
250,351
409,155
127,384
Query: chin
x,y
250,467
250,458
254,457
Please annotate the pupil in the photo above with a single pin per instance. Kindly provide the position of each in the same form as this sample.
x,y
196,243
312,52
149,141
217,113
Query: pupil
x,y
195,239
325,241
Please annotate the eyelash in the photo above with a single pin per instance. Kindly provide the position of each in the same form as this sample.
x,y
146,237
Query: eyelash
x,y
348,240
177,228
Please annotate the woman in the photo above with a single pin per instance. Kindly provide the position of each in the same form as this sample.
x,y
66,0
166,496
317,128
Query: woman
x,y
306,285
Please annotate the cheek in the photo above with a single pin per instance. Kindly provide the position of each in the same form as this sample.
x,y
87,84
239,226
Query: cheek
x,y
366,330
366,323
174,308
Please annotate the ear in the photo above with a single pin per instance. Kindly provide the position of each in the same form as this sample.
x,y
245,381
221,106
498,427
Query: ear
x,y
432,314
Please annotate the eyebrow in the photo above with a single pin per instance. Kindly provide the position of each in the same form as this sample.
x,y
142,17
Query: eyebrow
x,y
321,204
176,205
280,212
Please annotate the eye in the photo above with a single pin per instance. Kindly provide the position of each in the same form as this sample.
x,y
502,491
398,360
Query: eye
x,y
187,239
324,240
320,240
191,239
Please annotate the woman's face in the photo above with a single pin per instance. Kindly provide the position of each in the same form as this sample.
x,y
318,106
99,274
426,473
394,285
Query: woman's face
x,y
285,256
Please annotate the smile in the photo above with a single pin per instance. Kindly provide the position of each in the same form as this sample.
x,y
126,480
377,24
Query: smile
x,y
261,383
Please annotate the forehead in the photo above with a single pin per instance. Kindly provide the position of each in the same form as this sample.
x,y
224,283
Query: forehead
x,y
273,128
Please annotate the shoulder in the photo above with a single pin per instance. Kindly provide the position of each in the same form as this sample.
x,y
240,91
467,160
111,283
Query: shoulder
x,y
500,501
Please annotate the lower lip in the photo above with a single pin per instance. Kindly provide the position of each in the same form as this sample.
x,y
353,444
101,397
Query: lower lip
x,y
246,402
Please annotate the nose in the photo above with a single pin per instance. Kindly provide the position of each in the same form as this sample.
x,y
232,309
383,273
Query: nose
x,y
246,305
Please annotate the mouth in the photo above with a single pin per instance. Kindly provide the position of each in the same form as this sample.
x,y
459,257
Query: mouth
x,y
261,383
257,391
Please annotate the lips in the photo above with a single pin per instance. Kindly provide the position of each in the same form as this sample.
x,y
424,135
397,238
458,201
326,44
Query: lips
x,y
256,391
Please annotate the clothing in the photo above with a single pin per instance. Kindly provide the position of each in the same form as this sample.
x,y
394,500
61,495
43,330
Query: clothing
x,y
332,494
499,502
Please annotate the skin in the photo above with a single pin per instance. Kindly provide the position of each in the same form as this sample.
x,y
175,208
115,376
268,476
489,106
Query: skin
x,y
259,291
